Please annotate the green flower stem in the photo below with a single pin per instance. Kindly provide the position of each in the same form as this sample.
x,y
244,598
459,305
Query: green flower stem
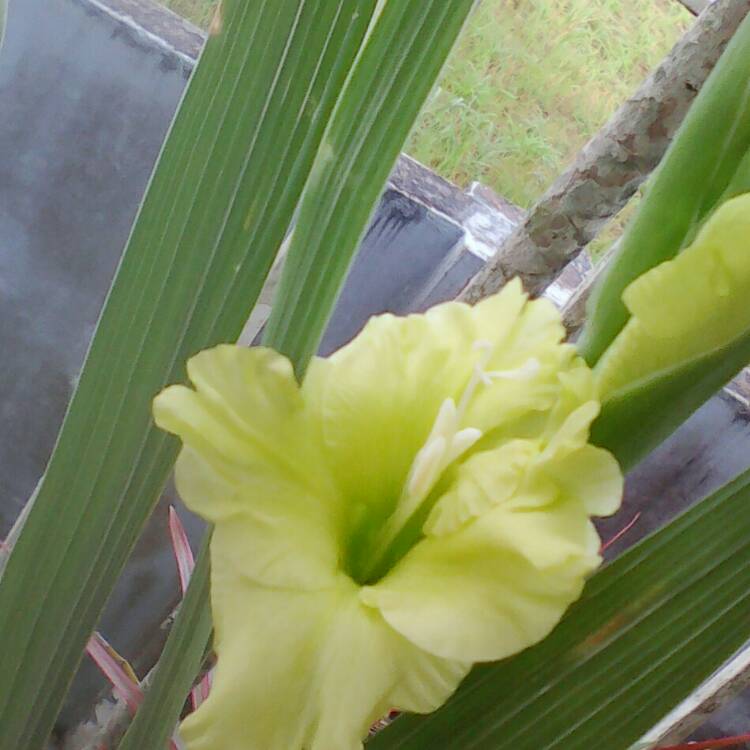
x,y
696,171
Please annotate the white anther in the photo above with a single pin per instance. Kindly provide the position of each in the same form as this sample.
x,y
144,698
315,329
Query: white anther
x,y
444,445
446,422
462,441
526,371
427,467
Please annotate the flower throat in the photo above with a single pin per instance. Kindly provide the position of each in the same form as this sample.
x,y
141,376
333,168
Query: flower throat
x,y
446,443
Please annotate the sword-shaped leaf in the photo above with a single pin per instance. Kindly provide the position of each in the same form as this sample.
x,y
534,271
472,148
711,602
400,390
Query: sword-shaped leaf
x,y
219,204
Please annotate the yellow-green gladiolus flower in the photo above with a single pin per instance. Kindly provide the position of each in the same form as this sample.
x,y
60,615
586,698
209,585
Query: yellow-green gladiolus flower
x,y
420,503
685,308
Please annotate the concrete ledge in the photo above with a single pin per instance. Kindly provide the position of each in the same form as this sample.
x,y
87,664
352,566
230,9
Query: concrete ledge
x,y
155,24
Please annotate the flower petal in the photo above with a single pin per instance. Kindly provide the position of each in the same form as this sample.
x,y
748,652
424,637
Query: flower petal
x,y
591,476
528,474
687,307
483,482
494,587
246,409
306,670
534,339
573,433
379,396
249,464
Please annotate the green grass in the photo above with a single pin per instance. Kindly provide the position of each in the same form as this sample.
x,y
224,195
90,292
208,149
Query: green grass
x,y
530,82
533,80
197,11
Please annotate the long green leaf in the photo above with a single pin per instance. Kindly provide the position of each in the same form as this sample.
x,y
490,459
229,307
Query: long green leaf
x,y
387,88
649,628
393,67
694,174
219,204
740,182
180,662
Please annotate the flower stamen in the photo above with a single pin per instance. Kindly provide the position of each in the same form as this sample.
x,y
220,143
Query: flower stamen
x,y
426,466
446,443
